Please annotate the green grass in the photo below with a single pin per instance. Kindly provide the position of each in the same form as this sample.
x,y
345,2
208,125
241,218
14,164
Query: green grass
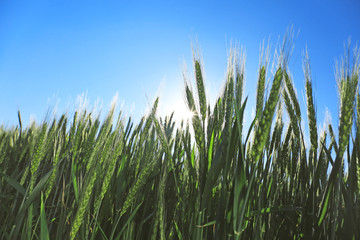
x,y
113,179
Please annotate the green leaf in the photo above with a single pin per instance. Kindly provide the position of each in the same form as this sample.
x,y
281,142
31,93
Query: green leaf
x,y
211,145
44,232
35,193
179,235
15,184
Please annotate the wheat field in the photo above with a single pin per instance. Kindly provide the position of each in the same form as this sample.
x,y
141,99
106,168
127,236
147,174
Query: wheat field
x,y
80,177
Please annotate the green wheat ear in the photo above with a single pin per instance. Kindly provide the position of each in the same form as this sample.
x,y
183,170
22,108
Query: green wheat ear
x,y
201,89
292,93
190,98
293,118
262,132
260,92
347,97
310,103
39,153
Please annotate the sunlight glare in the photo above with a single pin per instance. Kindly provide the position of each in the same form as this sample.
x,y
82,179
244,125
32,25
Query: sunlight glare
x,y
181,111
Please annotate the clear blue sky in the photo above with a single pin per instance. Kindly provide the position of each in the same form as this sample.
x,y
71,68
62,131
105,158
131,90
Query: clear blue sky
x,y
53,51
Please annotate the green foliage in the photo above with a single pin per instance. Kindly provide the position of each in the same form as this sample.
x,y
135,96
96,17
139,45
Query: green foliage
x,y
92,179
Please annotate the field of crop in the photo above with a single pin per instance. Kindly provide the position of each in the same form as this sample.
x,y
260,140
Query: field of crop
x,y
80,177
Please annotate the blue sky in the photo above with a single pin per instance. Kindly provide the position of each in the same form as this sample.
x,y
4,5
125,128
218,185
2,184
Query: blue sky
x,y
51,52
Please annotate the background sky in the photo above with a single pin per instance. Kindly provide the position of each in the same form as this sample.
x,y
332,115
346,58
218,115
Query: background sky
x,y
51,52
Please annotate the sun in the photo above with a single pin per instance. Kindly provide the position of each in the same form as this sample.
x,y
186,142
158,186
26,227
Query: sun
x,y
180,109
182,112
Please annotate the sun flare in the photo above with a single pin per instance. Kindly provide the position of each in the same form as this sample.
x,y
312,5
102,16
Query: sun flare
x,y
181,111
